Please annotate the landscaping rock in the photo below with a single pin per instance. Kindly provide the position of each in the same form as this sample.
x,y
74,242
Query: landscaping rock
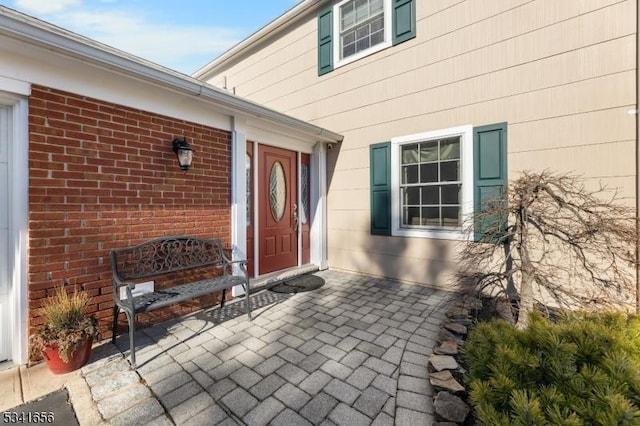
x,y
458,312
443,380
456,328
444,424
447,335
470,302
464,321
459,374
442,362
448,347
450,408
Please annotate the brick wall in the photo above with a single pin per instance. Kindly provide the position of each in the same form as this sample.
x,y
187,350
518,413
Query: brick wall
x,y
104,176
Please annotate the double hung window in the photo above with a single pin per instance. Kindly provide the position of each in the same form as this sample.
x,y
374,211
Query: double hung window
x,y
429,184
362,25
352,29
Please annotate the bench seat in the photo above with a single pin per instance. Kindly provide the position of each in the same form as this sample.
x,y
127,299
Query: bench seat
x,y
161,298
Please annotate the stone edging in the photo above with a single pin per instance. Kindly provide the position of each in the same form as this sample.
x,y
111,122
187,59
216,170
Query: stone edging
x,y
445,373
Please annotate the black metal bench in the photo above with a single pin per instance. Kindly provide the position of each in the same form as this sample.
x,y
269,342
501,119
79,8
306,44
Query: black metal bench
x,y
161,256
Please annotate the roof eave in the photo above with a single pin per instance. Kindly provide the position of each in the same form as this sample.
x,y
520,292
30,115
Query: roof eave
x,y
39,33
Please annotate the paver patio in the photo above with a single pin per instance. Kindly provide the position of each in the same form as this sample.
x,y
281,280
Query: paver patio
x,y
353,352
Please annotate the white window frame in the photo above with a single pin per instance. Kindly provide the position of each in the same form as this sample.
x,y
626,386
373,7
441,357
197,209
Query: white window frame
x,y
466,168
338,62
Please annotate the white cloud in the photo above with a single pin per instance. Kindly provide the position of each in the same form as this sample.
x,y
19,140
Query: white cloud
x,y
46,6
184,48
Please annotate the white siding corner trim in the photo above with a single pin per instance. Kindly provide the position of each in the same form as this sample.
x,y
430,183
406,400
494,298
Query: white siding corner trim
x,y
238,201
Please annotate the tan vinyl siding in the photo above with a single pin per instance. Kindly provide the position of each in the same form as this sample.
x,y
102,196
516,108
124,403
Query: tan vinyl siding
x,y
561,73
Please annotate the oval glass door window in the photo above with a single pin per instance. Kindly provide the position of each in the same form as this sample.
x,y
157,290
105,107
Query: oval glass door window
x,y
304,178
277,191
249,189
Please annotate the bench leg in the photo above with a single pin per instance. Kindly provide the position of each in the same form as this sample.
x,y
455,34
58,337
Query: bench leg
x,y
131,319
224,294
114,329
246,292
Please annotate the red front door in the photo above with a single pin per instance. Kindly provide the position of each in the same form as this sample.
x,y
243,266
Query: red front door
x,y
278,191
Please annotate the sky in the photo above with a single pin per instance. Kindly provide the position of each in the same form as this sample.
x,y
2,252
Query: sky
x,y
180,34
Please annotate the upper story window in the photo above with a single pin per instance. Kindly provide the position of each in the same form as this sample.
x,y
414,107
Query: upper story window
x,y
352,29
362,26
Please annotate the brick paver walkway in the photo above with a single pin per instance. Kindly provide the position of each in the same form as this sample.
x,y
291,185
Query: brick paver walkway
x,y
353,352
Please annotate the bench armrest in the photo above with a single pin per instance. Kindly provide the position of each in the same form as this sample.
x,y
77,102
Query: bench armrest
x,y
242,264
129,286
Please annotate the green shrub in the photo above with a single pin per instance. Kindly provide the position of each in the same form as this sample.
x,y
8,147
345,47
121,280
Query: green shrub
x,y
583,369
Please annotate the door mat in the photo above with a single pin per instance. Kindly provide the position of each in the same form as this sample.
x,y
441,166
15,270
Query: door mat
x,y
54,408
298,284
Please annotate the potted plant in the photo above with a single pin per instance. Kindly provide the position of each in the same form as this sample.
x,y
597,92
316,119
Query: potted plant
x,y
65,338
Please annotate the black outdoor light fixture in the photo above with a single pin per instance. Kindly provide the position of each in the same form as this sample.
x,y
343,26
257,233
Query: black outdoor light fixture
x,y
183,152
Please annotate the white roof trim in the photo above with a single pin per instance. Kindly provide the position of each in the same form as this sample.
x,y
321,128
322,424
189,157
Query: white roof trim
x,y
283,21
22,27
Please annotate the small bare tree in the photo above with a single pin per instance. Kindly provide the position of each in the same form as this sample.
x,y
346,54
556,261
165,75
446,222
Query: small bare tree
x,y
553,240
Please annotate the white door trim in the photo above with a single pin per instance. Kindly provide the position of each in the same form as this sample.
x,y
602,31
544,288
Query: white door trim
x,y
255,210
18,214
20,236
318,196
238,196
299,205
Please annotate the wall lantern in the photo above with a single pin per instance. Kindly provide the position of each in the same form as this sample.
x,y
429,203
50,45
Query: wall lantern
x,y
183,152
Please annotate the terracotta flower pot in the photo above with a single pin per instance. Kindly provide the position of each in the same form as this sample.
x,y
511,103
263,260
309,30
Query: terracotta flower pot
x,y
77,358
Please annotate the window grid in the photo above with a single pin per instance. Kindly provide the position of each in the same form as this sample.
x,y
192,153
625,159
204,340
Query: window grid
x,y
430,185
361,26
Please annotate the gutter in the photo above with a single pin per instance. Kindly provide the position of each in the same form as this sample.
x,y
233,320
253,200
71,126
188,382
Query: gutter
x,y
25,28
290,17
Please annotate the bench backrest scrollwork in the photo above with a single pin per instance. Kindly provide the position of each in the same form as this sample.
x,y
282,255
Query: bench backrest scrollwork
x,y
165,255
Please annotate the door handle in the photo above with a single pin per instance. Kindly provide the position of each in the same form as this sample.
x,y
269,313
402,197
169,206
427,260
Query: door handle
x,y
295,217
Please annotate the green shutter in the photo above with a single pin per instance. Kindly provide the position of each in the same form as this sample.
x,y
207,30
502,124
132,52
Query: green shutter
x,y
325,45
380,170
404,20
490,171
